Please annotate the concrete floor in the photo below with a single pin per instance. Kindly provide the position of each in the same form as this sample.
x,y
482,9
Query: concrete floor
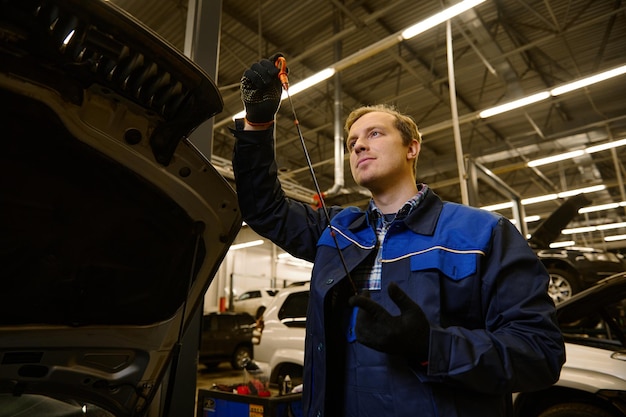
x,y
224,374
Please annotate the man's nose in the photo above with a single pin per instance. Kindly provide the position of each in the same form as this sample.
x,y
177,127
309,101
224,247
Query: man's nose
x,y
359,145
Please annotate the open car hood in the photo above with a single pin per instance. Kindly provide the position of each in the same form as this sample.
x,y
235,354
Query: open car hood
x,y
551,227
113,224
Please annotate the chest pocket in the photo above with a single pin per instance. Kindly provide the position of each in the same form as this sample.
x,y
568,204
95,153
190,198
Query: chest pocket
x,y
455,264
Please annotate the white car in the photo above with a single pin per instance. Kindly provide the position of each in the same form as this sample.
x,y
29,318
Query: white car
x,y
592,382
593,379
280,335
254,302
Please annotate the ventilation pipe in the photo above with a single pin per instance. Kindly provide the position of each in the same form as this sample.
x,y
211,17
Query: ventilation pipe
x,y
339,183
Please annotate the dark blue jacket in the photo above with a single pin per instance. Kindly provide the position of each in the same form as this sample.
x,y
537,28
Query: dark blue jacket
x,y
493,327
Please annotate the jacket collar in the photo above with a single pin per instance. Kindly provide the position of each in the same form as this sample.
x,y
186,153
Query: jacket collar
x,y
422,220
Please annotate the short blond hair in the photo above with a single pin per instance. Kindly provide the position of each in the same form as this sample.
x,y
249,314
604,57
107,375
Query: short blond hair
x,y
405,124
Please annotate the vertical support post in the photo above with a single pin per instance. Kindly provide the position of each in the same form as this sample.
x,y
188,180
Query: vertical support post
x,y
202,45
202,40
455,117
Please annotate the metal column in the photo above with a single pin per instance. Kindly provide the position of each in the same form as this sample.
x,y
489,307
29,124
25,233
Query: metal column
x,y
202,39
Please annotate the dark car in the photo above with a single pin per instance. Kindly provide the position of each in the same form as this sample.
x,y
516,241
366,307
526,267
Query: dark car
x,y
113,223
227,337
571,269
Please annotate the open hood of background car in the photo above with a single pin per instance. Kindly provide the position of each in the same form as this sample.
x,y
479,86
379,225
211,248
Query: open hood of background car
x,y
551,227
113,224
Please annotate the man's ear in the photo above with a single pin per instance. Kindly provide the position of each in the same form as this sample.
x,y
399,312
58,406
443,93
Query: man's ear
x,y
413,150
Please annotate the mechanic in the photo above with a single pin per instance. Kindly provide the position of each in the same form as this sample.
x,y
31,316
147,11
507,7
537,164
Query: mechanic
x,y
433,309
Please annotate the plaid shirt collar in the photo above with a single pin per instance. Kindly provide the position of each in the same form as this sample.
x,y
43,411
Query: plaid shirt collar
x,y
379,217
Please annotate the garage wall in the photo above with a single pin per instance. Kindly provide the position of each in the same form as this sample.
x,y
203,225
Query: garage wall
x,y
263,266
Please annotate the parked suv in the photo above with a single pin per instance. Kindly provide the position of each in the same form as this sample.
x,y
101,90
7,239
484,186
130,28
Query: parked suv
x,y
254,301
592,381
226,337
279,337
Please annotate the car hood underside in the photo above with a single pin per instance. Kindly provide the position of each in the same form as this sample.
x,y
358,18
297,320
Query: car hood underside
x,y
113,223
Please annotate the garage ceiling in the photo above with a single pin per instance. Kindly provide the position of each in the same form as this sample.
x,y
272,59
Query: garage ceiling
x,y
503,50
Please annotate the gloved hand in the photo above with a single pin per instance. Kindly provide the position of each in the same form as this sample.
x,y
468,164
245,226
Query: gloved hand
x,y
407,334
261,90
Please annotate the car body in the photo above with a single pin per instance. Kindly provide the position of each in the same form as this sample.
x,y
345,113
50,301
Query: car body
x,y
279,349
226,337
571,269
592,381
593,378
113,223
254,301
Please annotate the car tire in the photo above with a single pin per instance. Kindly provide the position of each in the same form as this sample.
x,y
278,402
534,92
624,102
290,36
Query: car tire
x,y
563,285
239,356
575,410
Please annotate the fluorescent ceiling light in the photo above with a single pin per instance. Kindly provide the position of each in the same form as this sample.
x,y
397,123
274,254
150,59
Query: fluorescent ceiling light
x,y
527,219
547,197
602,207
298,87
588,81
555,158
499,206
586,229
554,92
611,226
514,104
539,199
592,189
247,244
577,153
605,146
309,82
614,238
438,18
575,230
562,244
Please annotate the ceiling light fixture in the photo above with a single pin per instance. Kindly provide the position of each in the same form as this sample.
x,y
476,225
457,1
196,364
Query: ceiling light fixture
x,y
601,207
587,81
439,18
546,197
527,219
614,238
247,244
555,158
576,153
525,101
587,229
563,244
566,88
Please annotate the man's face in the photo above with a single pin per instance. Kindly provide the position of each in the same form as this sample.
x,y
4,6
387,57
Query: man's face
x,y
378,158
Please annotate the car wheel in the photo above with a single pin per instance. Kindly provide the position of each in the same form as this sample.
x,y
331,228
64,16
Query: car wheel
x,y
240,356
294,371
575,410
562,285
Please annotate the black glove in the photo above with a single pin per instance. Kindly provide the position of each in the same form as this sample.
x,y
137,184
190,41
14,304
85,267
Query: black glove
x,y
407,334
261,90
